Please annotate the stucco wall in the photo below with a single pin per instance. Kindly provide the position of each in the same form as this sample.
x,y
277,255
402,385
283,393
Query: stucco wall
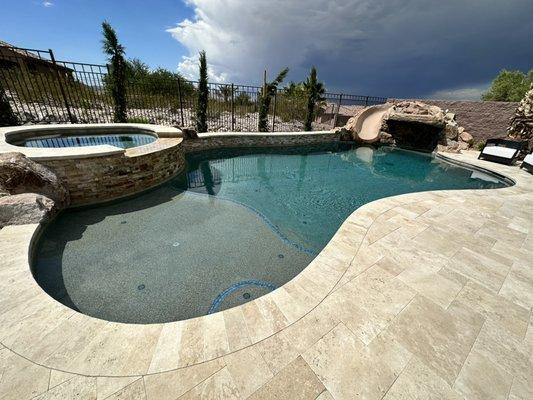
x,y
482,119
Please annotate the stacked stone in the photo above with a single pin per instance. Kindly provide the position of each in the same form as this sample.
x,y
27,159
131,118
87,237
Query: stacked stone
x,y
521,126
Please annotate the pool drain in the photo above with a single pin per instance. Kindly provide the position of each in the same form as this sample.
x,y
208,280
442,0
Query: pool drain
x,y
246,295
140,287
281,256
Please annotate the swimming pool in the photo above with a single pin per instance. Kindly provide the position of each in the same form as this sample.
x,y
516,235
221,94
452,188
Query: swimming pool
x,y
122,140
235,226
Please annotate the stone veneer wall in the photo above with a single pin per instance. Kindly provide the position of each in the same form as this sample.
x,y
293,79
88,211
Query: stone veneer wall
x,y
253,140
99,179
482,119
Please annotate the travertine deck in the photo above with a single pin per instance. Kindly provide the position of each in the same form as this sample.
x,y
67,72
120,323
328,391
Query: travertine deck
x,y
426,295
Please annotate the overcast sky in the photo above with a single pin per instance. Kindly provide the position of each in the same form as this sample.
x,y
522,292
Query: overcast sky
x,y
396,48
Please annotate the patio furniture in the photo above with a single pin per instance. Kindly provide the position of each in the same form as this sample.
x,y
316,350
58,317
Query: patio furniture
x,y
501,150
528,163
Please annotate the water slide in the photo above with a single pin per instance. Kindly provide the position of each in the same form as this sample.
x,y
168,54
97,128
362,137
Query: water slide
x,y
368,123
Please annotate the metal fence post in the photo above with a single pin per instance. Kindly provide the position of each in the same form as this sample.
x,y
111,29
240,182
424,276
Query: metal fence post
x,y
61,89
232,108
181,103
337,113
366,101
274,111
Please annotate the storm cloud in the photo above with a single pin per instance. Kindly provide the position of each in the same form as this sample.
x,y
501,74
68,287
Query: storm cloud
x,y
395,48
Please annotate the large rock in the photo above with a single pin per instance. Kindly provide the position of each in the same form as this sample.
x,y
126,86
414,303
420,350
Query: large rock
x,y
19,174
466,137
415,111
26,208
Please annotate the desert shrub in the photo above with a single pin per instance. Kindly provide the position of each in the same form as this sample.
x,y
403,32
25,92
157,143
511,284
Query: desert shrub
x,y
509,86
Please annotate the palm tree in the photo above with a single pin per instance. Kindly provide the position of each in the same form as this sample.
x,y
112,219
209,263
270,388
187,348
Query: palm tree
x,y
315,93
117,68
203,94
268,90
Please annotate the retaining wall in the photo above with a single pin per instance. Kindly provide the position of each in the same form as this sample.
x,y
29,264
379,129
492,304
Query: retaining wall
x,y
214,141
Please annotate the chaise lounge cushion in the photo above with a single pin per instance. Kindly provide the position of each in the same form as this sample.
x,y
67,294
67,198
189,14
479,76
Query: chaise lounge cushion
x,y
499,151
528,160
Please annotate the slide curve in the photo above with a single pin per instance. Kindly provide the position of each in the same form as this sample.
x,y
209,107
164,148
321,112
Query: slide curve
x,y
368,124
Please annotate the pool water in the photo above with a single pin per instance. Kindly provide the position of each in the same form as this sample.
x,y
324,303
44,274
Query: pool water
x,y
235,226
124,141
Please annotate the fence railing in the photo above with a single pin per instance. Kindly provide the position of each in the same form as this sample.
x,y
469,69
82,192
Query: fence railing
x,y
42,89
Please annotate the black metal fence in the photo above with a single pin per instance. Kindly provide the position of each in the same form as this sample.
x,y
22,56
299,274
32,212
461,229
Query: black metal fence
x,y
42,89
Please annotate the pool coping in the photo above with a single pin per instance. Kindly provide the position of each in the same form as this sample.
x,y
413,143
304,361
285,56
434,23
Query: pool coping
x,y
47,333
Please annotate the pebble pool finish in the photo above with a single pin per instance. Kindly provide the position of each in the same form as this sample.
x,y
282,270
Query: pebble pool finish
x,y
235,226
124,141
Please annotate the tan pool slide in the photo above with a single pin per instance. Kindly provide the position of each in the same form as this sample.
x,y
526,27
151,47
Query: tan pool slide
x,y
368,123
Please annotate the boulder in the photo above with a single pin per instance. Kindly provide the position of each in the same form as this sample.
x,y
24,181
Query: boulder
x,y
188,133
26,208
19,174
415,111
451,131
466,137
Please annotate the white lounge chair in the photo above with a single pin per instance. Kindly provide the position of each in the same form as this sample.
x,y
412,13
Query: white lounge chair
x,y
528,163
501,150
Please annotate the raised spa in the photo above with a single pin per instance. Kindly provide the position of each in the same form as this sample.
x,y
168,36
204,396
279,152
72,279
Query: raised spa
x,y
123,140
235,226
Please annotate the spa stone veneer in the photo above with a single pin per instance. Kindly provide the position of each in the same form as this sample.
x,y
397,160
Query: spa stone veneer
x,y
99,179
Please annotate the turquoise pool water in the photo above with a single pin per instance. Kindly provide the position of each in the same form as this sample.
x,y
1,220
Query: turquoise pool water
x,y
124,141
235,226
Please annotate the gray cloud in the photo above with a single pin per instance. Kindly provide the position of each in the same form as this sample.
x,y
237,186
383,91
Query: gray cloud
x,y
397,48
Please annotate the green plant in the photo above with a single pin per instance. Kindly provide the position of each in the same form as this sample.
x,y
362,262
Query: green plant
x,y
479,145
243,99
117,76
225,92
265,96
315,93
138,120
509,86
203,93
7,116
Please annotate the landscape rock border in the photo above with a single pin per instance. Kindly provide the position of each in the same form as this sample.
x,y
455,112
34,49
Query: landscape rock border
x,y
29,192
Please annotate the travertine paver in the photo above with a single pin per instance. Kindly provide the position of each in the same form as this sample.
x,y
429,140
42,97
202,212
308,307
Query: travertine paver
x,y
425,295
